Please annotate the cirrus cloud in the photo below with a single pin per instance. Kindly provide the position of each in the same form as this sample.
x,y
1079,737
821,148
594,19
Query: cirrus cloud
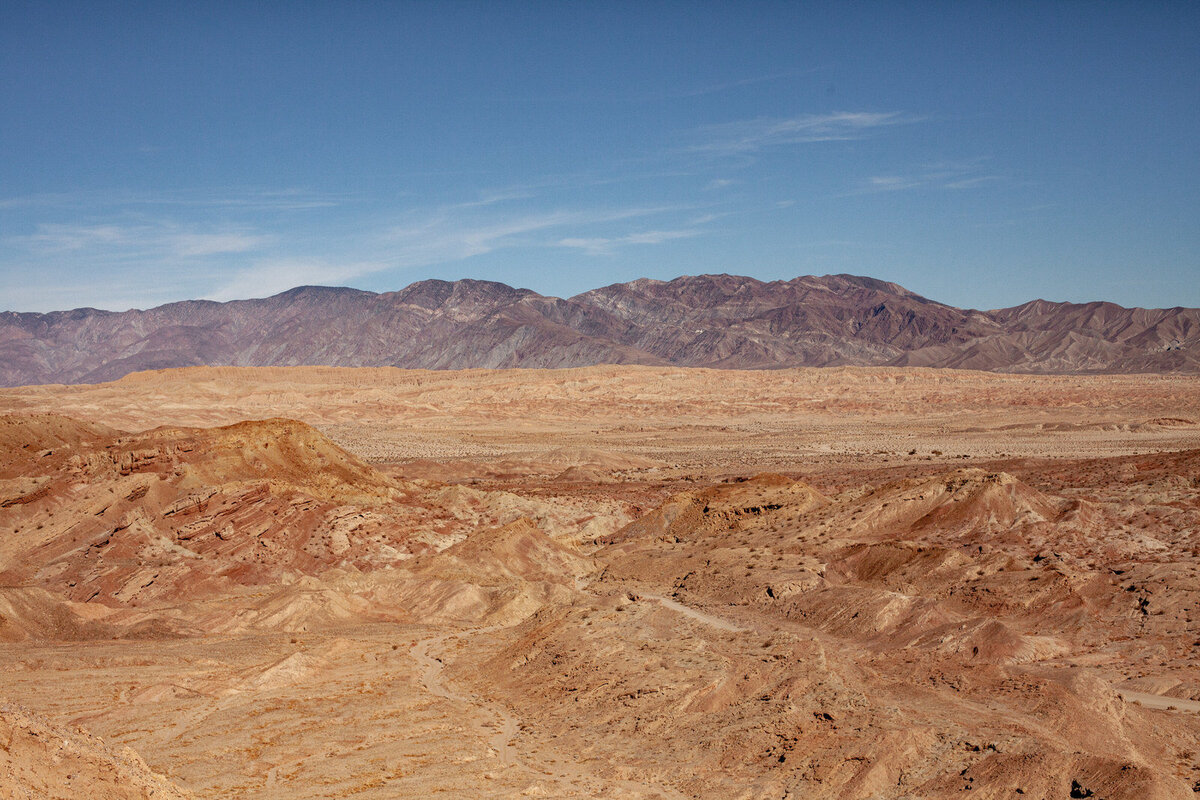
x,y
749,136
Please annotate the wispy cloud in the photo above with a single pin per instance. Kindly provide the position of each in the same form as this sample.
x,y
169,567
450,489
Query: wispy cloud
x,y
232,244
973,183
55,238
187,245
450,236
453,233
101,292
268,200
951,175
600,245
749,136
288,199
495,197
272,276
162,240
891,183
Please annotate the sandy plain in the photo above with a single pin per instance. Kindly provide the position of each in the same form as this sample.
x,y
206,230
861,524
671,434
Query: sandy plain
x,y
602,582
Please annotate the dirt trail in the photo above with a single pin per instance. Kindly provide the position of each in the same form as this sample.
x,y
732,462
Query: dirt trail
x,y
699,616
1159,701
502,741
431,677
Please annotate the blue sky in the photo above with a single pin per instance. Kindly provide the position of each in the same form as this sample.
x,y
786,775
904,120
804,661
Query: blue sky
x,y
980,154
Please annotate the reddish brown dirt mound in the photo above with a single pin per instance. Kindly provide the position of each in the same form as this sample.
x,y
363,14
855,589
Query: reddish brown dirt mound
x,y
28,439
50,762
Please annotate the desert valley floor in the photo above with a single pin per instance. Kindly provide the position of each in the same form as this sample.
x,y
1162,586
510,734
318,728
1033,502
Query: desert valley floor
x,y
611,582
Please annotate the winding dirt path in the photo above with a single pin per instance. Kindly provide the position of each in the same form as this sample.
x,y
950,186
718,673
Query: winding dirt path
x,y
431,677
1159,701
502,736
696,614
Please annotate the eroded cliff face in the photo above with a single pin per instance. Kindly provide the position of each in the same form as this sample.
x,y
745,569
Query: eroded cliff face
x,y
709,320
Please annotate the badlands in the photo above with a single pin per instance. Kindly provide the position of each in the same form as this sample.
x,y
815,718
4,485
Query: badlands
x,y
605,582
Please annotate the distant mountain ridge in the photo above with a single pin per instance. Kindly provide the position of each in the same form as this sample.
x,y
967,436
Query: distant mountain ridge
x,y
722,321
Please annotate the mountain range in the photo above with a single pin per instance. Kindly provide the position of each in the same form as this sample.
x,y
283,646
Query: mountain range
x,y
721,321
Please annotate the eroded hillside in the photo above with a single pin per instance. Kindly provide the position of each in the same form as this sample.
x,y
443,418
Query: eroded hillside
x,y
256,611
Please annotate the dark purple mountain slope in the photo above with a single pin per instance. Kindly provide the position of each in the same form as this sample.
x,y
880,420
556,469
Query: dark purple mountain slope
x,y
723,321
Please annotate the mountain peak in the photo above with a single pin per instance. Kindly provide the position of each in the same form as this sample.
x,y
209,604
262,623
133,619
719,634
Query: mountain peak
x,y
715,320
318,292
